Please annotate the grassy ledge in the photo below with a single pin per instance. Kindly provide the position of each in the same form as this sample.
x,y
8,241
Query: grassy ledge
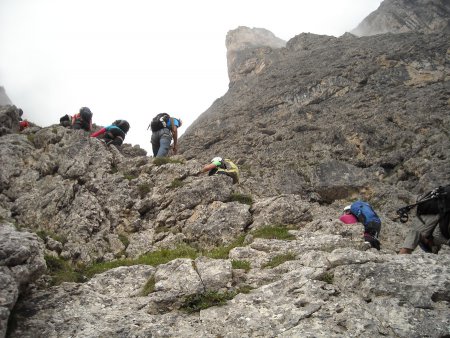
x,y
273,232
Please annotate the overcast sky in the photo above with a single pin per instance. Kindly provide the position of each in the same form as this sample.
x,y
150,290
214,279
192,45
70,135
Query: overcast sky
x,y
133,59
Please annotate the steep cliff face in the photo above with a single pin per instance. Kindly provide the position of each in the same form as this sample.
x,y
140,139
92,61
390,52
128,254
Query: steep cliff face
x,y
151,248
243,40
401,16
335,115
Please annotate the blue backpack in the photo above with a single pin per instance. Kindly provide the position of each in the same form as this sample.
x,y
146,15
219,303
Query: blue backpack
x,y
364,212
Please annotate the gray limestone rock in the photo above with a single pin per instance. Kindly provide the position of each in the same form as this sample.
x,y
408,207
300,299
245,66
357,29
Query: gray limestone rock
x,y
400,16
244,48
21,262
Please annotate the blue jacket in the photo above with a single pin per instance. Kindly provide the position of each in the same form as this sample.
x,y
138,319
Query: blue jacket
x,y
364,212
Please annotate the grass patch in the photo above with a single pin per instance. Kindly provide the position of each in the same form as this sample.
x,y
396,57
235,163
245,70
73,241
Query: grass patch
x,y
205,300
144,189
241,198
149,287
61,271
237,264
273,232
166,255
176,183
67,273
164,160
30,137
129,177
280,259
97,268
222,252
245,289
43,234
153,258
124,239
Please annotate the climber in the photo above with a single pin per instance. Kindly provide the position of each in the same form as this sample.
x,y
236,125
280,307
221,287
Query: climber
x,y
82,120
372,223
22,123
347,217
164,129
115,133
431,226
222,166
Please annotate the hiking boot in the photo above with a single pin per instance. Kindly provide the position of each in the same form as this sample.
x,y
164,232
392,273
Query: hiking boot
x,y
426,244
373,241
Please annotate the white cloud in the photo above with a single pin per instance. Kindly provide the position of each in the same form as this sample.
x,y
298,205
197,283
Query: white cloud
x,y
133,59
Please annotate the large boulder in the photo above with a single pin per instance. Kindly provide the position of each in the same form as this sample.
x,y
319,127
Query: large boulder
x,y
21,263
9,120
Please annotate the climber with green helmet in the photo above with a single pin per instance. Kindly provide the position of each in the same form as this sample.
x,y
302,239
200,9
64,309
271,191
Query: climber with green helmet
x,y
221,166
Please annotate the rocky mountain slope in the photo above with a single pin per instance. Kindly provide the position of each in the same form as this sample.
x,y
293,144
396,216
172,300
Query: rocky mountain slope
x,y
401,16
97,241
335,116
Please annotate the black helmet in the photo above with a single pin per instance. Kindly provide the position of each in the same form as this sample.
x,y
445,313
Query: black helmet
x,y
85,113
122,124
85,110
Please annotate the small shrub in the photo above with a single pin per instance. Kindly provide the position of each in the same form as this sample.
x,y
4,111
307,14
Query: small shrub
x,y
280,259
60,271
176,183
205,300
43,234
164,160
237,264
273,232
244,199
114,169
143,189
327,277
124,239
149,287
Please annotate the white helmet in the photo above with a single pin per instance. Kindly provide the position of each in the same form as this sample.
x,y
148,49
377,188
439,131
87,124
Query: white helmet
x,y
348,207
216,159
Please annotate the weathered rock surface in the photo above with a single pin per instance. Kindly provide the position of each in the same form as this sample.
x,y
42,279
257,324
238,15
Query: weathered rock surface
x,y
342,293
313,123
401,16
241,45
